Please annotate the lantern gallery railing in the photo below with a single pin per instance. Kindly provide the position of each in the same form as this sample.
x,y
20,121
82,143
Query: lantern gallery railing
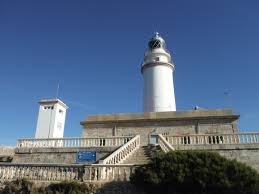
x,y
164,145
202,139
52,172
73,142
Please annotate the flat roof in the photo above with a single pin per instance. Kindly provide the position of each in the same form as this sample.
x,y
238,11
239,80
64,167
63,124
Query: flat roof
x,y
172,115
53,101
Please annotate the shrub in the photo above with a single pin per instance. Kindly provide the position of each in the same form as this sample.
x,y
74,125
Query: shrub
x,y
21,186
69,188
182,172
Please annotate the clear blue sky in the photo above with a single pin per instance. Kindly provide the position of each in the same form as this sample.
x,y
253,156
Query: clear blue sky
x,y
94,50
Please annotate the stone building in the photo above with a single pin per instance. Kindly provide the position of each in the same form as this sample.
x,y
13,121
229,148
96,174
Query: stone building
x,y
222,121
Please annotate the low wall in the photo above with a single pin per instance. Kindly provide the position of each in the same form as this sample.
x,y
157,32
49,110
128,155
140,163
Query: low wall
x,y
56,155
6,150
6,153
246,153
250,157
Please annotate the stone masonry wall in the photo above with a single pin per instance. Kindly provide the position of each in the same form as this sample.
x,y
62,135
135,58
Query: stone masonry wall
x,y
56,155
246,153
6,150
250,157
145,129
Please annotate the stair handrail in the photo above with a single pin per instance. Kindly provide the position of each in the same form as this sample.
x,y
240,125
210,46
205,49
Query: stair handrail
x,y
121,154
165,145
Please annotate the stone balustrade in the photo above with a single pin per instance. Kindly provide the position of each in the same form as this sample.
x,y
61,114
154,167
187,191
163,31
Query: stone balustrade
x,y
73,142
208,139
164,145
121,154
52,172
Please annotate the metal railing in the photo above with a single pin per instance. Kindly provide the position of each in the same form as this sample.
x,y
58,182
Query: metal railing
x,y
73,142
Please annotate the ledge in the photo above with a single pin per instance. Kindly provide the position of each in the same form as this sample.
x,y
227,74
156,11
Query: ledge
x,y
161,116
218,147
62,150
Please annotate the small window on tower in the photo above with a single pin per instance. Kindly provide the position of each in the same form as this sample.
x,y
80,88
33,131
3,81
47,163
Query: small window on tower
x,y
60,111
59,125
157,58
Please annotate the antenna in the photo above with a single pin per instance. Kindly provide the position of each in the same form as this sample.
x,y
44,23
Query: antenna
x,y
57,91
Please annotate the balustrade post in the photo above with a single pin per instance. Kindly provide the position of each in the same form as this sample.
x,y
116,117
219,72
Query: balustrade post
x,y
246,139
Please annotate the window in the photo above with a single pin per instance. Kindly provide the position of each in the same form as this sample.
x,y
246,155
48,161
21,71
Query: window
x,y
60,111
48,107
155,44
157,59
59,125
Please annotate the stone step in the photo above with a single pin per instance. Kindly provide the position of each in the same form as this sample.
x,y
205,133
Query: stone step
x,y
141,156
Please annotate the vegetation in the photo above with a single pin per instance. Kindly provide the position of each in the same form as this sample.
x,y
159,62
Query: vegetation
x,y
23,186
178,172
182,172
68,188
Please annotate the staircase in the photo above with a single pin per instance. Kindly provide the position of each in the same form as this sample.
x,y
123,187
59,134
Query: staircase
x,y
142,155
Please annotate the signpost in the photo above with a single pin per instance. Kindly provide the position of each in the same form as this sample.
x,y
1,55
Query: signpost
x,y
86,156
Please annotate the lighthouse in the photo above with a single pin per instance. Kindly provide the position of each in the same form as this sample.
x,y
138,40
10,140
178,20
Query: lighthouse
x,y
157,70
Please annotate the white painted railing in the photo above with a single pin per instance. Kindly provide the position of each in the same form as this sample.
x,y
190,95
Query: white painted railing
x,y
52,172
208,139
121,154
73,142
164,145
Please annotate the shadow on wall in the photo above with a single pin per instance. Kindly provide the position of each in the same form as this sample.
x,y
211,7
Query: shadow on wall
x,y
6,159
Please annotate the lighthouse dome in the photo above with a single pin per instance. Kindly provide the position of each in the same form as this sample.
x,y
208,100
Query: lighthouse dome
x,y
156,42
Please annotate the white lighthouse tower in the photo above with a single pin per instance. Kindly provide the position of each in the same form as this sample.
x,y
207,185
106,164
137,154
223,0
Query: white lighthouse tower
x,y
157,70
51,119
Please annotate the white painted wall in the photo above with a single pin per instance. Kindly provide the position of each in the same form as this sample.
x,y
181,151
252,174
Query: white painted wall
x,y
157,70
51,119
158,89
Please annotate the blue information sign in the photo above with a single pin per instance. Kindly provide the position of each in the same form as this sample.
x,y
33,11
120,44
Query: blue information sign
x,y
86,156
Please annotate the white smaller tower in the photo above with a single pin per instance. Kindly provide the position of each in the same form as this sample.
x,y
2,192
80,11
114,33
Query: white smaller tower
x,y
51,119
